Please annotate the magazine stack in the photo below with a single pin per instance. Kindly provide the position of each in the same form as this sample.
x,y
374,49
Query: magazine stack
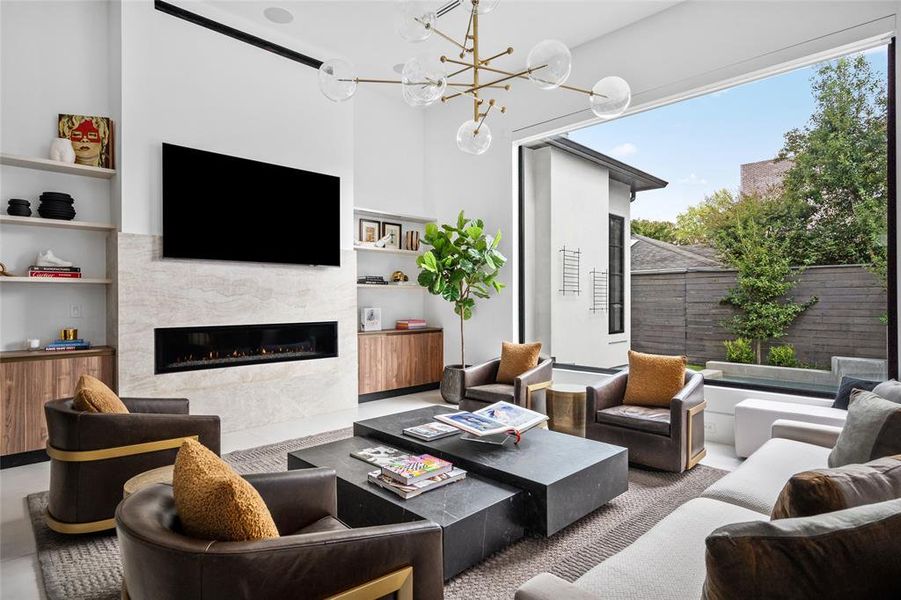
x,y
408,475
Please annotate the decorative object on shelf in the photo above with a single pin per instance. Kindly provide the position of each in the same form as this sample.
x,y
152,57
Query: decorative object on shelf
x,y
369,231
32,344
19,207
61,150
598,291
60,272
410,324
411,241
57,205
371,280
399,277
91,138
48,259
370,319
425,80
4,272
383,241
570,271
63,344
68,334
392,231
462,265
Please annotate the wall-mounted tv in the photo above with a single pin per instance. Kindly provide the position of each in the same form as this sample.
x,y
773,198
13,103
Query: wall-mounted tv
x,y
222,207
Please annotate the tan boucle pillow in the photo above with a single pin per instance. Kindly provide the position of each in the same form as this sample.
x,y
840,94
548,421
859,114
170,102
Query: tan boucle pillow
x,y
516,359
654,379
215,503
92,395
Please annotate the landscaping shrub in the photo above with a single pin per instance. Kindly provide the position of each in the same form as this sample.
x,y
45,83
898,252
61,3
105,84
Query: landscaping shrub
x,y
783,356
739,350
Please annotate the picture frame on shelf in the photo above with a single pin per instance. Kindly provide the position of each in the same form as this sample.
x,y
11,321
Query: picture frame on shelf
x,y
91,138
395,231
370,231
370,318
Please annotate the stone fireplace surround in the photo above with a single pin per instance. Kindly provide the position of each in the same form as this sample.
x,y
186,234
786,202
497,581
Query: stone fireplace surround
x,y
150,292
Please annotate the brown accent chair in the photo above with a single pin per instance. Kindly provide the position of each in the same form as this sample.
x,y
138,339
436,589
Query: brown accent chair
x,y
480,386
316,556
92,455
670,439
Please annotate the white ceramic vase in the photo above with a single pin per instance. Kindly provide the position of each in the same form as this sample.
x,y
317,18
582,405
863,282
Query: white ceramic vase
x,y
61,150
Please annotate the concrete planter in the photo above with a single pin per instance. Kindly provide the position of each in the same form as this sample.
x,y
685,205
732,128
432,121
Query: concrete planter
x,y
795,375
452,387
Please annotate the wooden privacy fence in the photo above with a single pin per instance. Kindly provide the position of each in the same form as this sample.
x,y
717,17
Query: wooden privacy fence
x,y
679,312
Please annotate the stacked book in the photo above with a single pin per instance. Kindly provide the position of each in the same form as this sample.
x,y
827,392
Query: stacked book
x,y
62,272
410,324
62,345
408,475
372,280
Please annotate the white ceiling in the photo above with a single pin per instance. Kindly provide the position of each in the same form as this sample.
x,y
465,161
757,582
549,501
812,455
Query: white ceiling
x,y
364,32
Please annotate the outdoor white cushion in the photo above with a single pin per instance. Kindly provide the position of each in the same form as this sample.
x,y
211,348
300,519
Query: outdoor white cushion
x,y
754,420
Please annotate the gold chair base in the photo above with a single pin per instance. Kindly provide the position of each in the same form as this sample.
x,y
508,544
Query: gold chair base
x,y
400,581
78,528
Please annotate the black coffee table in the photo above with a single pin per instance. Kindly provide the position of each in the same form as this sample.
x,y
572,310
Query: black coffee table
x,y
565,477
478,516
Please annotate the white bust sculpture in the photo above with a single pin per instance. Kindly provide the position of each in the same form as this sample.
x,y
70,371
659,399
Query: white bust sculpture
x,y
61,150
48,259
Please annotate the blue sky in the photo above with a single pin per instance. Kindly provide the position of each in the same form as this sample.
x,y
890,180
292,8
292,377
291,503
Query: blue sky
x,y
697,145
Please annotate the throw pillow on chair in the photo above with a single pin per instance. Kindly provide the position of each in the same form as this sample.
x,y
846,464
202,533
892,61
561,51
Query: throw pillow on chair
x,y
654,379
516,359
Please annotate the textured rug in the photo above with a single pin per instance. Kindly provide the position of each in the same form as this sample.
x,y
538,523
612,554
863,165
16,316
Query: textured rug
x,y
87,567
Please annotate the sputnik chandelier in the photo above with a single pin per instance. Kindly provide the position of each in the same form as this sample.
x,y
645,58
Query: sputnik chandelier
x,y
426,79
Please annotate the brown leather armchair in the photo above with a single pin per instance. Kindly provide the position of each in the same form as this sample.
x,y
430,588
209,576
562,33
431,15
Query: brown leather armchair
x,y
316,557
480,386
93,454
670,439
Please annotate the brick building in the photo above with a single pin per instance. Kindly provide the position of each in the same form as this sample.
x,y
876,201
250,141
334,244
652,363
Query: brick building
x,y
763,176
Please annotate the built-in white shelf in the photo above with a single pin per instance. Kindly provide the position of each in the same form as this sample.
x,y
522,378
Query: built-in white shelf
x,y
369,286
45,164
56,223
375,250
56,280
389,216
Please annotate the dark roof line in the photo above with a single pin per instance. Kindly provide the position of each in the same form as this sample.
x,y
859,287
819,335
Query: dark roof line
x,y
636,179
678,250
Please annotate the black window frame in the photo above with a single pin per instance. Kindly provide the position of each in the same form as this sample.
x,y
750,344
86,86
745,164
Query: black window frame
x,y
616,275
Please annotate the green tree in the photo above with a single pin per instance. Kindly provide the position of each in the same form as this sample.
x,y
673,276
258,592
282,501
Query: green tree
x,y
462,265
699,223
763,279
839,164
664,231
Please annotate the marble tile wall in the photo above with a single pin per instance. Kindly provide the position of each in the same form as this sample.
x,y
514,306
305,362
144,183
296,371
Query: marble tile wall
x,y
155,292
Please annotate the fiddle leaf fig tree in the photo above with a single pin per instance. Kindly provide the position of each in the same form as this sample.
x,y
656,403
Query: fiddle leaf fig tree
x,y
462,265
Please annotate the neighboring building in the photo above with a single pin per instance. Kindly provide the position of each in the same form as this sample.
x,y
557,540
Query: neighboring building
x,y
763,176
579,199
649,254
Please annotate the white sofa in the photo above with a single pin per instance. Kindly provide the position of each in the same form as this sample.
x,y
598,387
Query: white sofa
x,y
675,546
754,419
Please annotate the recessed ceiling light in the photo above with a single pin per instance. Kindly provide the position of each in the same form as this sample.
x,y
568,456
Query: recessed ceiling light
x,y
399,68
278,15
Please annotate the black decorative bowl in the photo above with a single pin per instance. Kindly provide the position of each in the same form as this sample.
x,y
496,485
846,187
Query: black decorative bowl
x,y
17,210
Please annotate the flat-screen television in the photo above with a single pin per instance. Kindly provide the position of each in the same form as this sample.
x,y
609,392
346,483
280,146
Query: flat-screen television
x,y
221,207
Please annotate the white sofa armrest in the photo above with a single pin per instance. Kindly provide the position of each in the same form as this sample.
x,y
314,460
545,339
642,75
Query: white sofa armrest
x,y
545,586
809,433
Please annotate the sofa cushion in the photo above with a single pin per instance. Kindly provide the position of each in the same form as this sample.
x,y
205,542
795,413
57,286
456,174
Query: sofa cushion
x,y
890,390
754,420
215,503
641,418
843,396
667,562
654,379
827,490
872,430
852,553
491,392
92,395
756,484
516,359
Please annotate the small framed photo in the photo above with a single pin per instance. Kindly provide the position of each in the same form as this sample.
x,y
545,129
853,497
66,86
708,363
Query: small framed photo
x,y
369,231
370,319
394,230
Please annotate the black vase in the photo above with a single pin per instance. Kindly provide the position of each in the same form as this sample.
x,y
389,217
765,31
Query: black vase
x,y
19,208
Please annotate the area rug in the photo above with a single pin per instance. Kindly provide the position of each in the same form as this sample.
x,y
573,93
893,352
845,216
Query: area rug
x,y
87,567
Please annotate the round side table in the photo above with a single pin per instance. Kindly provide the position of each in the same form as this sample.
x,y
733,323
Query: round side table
x,y
566,408
142,480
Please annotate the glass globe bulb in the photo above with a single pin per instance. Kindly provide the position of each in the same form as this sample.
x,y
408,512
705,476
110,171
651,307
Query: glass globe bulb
x,y
485,6
552,62
337,80
423,80
414,20
473,139
610,97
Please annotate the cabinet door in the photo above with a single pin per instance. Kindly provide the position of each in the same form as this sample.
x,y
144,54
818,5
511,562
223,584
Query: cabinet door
x,y
370,349
12,407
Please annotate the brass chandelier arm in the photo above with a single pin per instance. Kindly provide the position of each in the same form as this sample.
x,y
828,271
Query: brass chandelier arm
x,y
495,82
485,61
517,75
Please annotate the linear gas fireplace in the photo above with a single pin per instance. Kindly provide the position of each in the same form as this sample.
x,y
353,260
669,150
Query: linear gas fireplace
x,y
192,348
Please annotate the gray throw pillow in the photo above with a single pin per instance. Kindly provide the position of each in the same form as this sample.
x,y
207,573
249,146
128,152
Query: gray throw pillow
x,y
890,390
872,430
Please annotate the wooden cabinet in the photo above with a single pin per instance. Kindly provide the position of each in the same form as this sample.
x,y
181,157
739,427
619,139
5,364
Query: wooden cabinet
x,y
29,379
396,359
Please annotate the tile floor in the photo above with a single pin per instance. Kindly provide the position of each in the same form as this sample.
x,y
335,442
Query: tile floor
x,y
19,578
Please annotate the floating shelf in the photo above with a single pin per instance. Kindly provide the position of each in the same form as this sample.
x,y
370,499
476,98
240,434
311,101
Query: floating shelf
x,y
382,215
56,223
13,355
370,286
45,164
56,280
375,250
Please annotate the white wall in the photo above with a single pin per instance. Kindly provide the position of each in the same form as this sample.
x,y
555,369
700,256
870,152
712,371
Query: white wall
x,y
54,58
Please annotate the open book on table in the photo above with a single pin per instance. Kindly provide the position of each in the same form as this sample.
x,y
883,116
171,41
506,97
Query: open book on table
x,y
498,418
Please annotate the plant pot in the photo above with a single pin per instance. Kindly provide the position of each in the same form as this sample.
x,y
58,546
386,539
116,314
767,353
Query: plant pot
x,y
452,384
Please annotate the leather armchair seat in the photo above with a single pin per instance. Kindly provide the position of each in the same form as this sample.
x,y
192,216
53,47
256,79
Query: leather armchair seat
x,y
481,387
316,557
92,455
670,439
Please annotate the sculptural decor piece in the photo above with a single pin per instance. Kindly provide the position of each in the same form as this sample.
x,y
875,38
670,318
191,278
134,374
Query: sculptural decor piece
x,y
48,259
91,138
61,150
